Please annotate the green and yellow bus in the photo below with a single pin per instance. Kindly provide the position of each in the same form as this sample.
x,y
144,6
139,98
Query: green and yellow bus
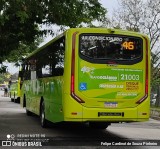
x,y
97,76
15,91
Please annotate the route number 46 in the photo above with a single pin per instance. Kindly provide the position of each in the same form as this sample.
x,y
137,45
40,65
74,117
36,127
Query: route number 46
x,y
128,45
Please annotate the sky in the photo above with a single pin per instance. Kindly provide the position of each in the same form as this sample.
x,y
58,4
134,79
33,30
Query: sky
x,y
108,4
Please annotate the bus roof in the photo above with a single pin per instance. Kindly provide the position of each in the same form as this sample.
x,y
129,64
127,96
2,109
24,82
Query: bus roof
x,y
85,30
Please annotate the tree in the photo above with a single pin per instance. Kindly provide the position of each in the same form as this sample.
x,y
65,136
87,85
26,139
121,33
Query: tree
x,y
4,77
20,19
22,51
142,16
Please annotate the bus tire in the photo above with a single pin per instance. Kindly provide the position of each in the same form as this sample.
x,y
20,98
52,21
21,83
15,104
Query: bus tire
x,y
29,113
18,99
42,115
24,101
12,100
99,125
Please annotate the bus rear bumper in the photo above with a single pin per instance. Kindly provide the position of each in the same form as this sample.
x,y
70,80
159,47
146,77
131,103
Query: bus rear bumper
x,y
108,115
76,112
114,115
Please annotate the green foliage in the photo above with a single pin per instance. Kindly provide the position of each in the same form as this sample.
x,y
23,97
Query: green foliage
x,y
3,69
4,77
142,16
20,20
22,50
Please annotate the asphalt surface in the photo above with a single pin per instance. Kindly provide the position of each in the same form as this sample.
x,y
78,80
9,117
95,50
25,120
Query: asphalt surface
x,y
16,125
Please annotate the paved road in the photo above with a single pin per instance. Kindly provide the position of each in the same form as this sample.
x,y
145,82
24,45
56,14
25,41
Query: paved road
x,y
14,124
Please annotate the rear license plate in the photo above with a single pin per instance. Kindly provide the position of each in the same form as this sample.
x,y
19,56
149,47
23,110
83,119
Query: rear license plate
x,y
110,114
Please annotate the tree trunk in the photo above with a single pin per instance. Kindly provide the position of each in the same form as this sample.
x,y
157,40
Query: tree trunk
x,y
158,97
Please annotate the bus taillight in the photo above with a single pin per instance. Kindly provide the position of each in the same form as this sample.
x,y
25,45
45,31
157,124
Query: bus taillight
x,y
72,83
146,80
72,91
73,70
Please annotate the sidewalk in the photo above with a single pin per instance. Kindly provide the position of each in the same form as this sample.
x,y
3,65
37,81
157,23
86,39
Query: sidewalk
x,y
155,114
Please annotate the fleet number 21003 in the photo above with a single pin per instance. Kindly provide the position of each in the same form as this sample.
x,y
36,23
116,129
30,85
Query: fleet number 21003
x,y
129,77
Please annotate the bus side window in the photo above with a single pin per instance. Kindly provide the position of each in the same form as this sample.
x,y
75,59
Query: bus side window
x,y
27,72
59,49
50,61
58,71
46,70
39,71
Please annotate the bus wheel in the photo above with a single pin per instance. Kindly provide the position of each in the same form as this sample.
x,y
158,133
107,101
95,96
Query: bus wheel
x,y
18,99
99,125
29,113
24,101
42,115
14,98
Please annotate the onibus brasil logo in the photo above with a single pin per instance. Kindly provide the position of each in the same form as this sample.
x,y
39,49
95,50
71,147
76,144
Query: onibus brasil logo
x,y
11,141
8,142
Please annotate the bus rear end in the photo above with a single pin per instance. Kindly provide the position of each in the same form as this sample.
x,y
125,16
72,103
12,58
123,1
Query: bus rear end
x,y
109,77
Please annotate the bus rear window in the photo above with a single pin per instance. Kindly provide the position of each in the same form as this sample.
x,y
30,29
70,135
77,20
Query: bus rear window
x,y
100,48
